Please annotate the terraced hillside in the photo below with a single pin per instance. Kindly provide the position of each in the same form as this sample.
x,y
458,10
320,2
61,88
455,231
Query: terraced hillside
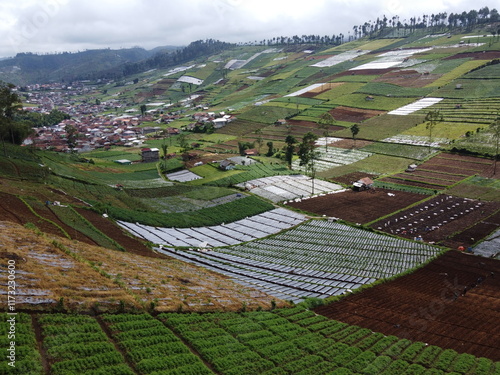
x,y
173,262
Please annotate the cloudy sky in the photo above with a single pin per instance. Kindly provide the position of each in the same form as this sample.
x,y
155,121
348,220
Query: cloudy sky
x,y
71,25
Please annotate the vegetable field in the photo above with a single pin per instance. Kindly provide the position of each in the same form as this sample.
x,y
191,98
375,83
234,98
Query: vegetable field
x,y
284,341
315,259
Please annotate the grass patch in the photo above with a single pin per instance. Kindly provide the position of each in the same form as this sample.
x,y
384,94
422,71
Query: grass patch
x,y
381,103
340,89
456,73
449,130
471,89
375,164
377,88
224,213
267,114
381,127
399,150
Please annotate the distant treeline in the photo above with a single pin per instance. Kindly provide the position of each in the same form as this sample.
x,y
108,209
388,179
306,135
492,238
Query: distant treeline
x,y
162,60
383,26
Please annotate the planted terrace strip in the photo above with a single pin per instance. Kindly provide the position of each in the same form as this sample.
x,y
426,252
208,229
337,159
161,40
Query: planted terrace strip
x,y
76,344
413,107
279,188
220,235
297,341
26,360
333,157
430,216
229,339
151,346
183,176
417,140
316,259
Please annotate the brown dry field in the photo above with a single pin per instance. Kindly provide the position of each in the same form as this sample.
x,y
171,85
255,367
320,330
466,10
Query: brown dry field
x,y
444,170
359,207
446,220
487,55
349,143
428,305
53,270
348,114
407,78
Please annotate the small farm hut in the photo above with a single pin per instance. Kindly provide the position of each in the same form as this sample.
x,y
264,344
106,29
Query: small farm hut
x,y
411,168
364,183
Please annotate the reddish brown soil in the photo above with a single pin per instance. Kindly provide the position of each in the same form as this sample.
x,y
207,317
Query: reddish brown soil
x,y
13,209
311,124
348,179
487,55
428,305
312,94
349,143
114,232
412,183
408,78
348,114
363,72
358,207
443,170
446,220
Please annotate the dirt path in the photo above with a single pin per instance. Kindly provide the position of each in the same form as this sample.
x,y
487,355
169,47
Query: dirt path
x,y
39,342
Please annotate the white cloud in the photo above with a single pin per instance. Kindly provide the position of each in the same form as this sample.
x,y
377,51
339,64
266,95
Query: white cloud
x,y
71,25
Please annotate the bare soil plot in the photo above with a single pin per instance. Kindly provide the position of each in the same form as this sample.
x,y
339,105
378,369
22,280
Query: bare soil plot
x,y
407,78
442,171
364,72
429,305
311,125
348,114
349,178
446,220
480,55
349,143
113,231
14,210
359,207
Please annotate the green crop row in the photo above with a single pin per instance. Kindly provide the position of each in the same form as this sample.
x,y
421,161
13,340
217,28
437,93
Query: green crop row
x,y
76,221
26,359
232,343
252,172
151,346
77,344
401,187
224,213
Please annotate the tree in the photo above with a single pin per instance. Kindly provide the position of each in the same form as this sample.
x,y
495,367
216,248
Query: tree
x,y
354,132
308,154
495,127
11,130
164,148
143,109
259,139
270,149
71,135
432,118
183,142
325,121
289,149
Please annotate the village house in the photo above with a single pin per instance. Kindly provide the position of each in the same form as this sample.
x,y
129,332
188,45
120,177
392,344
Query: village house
x,y
150,155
